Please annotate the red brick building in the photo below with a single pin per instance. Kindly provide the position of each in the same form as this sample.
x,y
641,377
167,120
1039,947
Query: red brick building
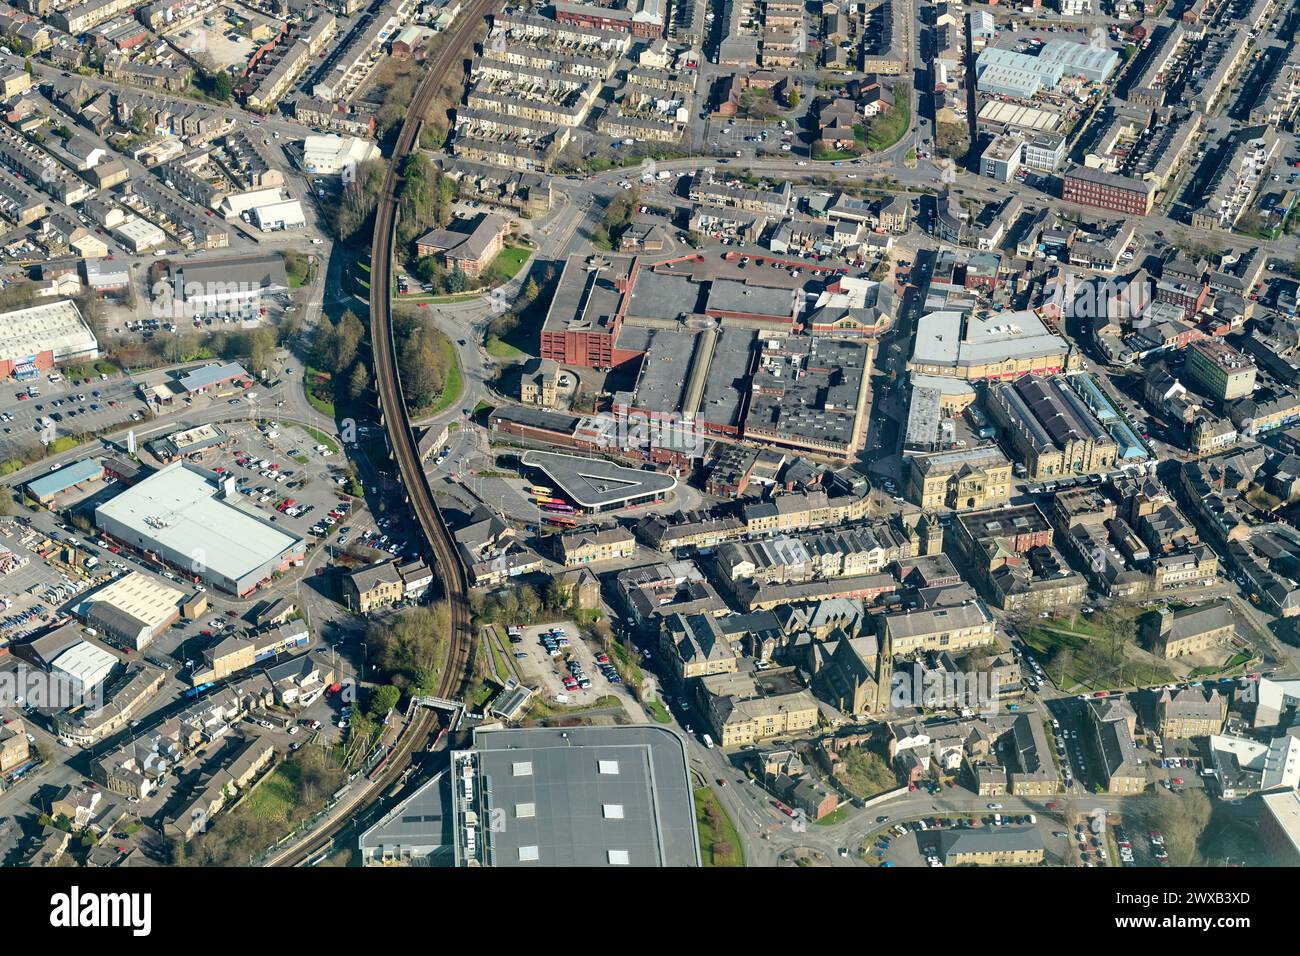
x,y
1103,190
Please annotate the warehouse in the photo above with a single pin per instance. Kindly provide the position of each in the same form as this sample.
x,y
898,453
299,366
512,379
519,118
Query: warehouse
x,y
85,665
224,286
331,155
182,515
37,337
1093,63
1018,76
47,488
278,216
132,610
576,796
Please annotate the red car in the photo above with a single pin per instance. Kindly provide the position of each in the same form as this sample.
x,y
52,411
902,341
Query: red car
x,y
23,396
1102,693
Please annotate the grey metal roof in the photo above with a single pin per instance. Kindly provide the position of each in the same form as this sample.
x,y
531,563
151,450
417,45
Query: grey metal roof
x,y
572,822
594,482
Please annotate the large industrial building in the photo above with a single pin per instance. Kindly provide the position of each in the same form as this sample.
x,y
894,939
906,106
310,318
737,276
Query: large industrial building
x,y
36,338
549,797
189,520
333,155
132,610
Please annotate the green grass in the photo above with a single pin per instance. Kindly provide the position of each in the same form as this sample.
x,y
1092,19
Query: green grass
x,y
660,712
837,815
322,405
451,387
508,262
828,155
63,444
275,797
719,841
321,438
887,130
503,350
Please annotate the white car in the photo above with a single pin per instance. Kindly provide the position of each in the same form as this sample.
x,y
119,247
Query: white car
x,y
995,806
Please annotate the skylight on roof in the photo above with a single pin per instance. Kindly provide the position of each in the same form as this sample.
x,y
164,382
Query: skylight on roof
x,y
619,858
523,769
607,766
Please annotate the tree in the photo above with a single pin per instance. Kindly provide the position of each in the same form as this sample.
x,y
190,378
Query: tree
x,y
348,335
793,98
359,380
6,500
382,700
411,647
531,290
261,346
359,198
324,354
1181,818
1059,664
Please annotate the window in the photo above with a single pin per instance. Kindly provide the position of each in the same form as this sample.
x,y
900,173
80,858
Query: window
x,y
607,766
528,854
523,769
524,811
619,858
613,811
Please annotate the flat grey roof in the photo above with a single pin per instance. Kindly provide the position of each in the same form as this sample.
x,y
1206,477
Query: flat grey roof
x,y
725,386
656,295
728,295
592,791
594,482
587,297
422,821
182,510
665,367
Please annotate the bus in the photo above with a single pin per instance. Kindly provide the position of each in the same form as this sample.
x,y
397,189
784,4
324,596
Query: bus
x,y
542,500
568,509
539,490
561,521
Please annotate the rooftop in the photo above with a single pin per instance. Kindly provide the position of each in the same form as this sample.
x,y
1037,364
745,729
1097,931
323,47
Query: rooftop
x,y
596,483
181,508
588,796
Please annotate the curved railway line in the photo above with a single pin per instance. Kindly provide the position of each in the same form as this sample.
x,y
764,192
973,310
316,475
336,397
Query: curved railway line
x,y
397,423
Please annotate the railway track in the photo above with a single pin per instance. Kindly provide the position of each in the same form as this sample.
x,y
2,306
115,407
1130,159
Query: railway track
x,y
392,403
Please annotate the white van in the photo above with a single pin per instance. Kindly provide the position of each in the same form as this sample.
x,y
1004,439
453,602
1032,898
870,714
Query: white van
x,y
708,741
